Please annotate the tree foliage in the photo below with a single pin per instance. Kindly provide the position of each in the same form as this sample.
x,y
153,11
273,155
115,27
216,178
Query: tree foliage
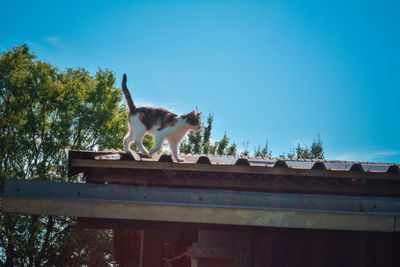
x,y
207,135
304,152
263,152
200,142
315,152
222,145
245,152
44,112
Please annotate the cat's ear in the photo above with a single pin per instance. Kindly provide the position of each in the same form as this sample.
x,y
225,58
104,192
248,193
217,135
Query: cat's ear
x,y
198,114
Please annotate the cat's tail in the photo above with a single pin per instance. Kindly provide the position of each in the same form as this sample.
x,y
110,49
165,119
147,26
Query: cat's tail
x,y
128,97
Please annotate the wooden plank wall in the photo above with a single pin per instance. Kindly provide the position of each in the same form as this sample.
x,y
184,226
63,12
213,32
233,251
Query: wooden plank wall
x,y
127,247
222,249
269,247
158,247
296,247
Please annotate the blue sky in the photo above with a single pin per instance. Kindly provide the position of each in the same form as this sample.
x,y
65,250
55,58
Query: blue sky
x,y
281,71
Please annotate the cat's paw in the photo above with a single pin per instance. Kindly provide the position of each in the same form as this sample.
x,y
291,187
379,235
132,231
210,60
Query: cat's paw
x,y
180,160
144,152
142,155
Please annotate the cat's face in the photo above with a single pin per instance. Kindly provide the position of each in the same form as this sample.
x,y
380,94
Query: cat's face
x,y
193,120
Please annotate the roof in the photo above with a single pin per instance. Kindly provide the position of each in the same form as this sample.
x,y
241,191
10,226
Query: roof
x,y
310,164
209,190
247,174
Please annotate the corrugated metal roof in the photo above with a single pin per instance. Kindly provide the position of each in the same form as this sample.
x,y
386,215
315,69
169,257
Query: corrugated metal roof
x,y
301,164
242,174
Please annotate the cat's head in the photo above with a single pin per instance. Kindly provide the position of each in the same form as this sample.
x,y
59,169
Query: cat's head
x,y
193,120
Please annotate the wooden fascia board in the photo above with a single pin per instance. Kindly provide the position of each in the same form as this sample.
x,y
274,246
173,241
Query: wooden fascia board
x,y
168,166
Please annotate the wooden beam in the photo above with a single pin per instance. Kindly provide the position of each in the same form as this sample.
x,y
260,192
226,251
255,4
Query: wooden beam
x,y
245,182
270,218
200,206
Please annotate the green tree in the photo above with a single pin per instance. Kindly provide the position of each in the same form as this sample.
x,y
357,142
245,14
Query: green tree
x,y
184,146
232,150
292,153
222,145
263,152
207,134
317,150
44,112
304,152
212,149
245,152
192,144
198,142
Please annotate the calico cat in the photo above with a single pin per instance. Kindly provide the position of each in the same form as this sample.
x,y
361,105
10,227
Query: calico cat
x,y
158,122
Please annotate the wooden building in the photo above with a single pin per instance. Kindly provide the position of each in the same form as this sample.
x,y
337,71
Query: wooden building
x,y
225,211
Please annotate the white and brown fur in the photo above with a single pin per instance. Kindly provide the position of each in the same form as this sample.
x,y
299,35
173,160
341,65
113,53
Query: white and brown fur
x,y
158,122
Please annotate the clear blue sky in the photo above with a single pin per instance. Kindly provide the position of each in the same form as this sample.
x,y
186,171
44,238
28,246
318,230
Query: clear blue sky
x,y
281,71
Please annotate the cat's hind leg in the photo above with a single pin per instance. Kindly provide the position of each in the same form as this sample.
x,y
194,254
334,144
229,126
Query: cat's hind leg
x,y
128,140
140,131
159,138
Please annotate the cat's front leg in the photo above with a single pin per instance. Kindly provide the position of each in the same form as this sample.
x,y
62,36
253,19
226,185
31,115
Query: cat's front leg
x,y
174,149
